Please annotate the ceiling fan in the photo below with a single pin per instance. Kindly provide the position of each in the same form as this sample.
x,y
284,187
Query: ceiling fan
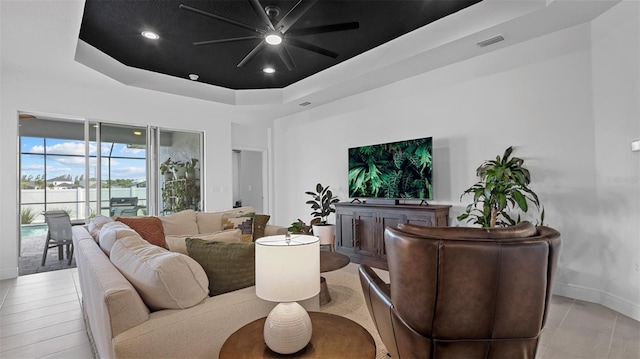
x,y
279,35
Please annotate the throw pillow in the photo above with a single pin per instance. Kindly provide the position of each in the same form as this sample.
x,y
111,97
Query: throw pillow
x,y
259,225
164,280
149,228
229,266
179,244
183,222
111,232
241,221
95,225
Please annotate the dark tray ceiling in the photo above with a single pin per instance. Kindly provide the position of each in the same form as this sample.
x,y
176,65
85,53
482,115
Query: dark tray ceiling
x,y
114,28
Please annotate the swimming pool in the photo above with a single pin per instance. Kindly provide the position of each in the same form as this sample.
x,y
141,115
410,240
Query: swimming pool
x,y
32,230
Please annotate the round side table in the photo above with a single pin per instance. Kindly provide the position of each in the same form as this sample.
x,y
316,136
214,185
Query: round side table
x,y
333,337
329,261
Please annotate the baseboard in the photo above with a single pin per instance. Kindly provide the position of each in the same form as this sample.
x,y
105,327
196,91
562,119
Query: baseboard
x,y
9,273
597,296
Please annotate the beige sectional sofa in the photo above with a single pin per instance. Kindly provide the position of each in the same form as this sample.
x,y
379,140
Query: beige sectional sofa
x,y
121,323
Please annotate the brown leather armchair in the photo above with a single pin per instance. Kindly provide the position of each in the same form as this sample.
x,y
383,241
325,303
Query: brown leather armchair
x,y
463,292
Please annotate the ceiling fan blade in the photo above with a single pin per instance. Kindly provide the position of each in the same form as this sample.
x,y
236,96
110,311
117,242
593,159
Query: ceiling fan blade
x,y
296,12
233,39
223,19
256,50
257,8
286,58
310,47
324,29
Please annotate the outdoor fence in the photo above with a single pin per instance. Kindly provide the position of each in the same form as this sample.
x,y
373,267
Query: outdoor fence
x,y
72,201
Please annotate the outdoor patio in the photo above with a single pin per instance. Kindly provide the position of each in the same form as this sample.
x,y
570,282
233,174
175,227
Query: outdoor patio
x,y
30,258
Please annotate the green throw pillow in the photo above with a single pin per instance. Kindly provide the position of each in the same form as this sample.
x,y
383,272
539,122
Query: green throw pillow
x,y
229,266
259,224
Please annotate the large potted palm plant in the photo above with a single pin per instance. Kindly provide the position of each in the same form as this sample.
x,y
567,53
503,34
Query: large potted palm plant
x,y
503,187
322,205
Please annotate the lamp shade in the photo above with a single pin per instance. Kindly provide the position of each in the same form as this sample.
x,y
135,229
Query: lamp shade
x,y
287,272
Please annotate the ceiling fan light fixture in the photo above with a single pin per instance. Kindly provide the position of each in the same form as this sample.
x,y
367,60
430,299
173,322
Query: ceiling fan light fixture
x,y
150,35
269,70
273,38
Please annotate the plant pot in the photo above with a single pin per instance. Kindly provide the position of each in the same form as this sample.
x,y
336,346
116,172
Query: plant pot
x,y
181,172
325,232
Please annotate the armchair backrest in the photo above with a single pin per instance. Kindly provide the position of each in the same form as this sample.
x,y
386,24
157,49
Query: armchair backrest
x,y
470,292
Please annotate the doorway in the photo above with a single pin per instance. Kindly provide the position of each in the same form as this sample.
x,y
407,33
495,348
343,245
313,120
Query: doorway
x,y
249,179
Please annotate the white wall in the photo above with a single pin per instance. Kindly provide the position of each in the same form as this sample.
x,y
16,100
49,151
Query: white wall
x,y
616,112
551,98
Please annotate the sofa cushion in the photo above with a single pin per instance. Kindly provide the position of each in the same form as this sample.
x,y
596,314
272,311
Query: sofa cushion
x,y
229,266
259,225
179,244
95,225
149,228
111,232
209,222
164,279
183,222
241,221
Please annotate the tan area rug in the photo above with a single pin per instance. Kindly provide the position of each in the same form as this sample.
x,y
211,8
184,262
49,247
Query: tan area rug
x,y
347,301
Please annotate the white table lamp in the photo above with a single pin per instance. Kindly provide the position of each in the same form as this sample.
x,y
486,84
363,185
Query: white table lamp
x,y
287,271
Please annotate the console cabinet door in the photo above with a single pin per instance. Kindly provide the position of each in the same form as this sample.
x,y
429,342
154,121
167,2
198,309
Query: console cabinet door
x,y
366,242
387,219
345,231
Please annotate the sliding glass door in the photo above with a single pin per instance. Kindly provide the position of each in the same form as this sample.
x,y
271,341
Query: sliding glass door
x,y
123,170
88,168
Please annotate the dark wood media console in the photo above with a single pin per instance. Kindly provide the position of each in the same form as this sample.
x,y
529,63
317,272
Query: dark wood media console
x,y
360,227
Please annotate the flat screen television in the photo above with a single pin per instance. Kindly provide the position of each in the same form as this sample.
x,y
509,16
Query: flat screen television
x,y
395,170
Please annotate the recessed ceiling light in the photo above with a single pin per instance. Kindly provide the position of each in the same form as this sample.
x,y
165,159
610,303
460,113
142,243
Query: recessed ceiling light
x,y
194,77
269,70
137,133
273,39
150,35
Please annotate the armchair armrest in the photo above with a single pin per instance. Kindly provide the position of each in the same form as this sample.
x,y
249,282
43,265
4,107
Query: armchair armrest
x,y
377,295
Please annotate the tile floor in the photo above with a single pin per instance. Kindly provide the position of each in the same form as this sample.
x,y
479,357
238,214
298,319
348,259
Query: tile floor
x,y
40,317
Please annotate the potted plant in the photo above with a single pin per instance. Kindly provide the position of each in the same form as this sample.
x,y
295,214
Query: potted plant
x,y
322,205
168,169
503,187
181,170
299,227
191,168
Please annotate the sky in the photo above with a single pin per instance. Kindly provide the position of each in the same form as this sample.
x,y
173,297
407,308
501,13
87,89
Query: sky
x,y
133,167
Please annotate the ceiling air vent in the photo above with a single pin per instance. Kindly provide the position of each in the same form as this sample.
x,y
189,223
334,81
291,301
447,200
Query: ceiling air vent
x,y
490,41
306,103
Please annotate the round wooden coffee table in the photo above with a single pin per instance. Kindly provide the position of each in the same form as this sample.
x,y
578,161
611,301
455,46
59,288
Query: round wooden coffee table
x,y
333,337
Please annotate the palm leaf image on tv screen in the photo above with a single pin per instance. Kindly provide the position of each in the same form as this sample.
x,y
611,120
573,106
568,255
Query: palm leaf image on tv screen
x,y
392,170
